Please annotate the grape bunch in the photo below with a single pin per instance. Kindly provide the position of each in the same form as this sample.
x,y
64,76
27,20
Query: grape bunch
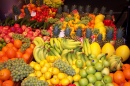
x,y
33,81
19,69
25,41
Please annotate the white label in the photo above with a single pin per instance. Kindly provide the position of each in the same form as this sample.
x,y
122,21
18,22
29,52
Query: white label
x,y
33,13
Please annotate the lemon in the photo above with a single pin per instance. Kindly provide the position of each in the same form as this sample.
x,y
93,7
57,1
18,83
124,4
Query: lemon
x,y
50,69
42,78
70,79
47,75
54,81
55,70
74,66
44,69
49,82
109,49
37,66
32,74
61,75
32,64
42,63
38,73
65,81
95,48
76,77
48,65
123,51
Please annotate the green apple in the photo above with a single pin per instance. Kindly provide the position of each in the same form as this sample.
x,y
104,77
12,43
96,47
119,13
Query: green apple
x,y
83,82
79,63
98,76
76,83
109,84
94,61
90,84
99,66
88,63
83,73
91,78
99,83
107,79
90,70
105,71
106,63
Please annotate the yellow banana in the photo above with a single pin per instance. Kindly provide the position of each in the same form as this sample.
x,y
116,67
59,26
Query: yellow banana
x,y
52,42
88,46
38,41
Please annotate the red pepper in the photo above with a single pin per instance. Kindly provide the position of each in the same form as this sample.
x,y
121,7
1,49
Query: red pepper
x,y
58,85
71,84
107,22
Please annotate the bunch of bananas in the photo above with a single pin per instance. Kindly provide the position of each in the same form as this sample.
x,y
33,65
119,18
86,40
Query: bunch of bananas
x,y
86,47
53,3
115,63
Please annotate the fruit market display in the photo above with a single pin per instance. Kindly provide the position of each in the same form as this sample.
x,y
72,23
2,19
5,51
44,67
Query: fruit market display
x,y
50,45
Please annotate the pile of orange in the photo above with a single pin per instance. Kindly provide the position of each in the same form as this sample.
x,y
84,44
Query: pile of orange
x,y
12,50
122,77
5,78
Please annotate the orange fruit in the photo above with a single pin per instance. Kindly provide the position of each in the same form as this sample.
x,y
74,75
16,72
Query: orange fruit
x,y
8,83
2,53
29,51
125,66
127,73
26,57
11,53
9,45
5,74
119,77
19,54
127,84
5,48
17,43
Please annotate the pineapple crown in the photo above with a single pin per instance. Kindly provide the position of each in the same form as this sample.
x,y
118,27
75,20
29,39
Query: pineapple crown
x,y
87,9
65,8
80,9
88,33
16,10
109,15
59,10
34,2
120,33
41,2
99,37
27,13
95,11
79,32
103,9
109,33
67,31
73,7
56,31
27,1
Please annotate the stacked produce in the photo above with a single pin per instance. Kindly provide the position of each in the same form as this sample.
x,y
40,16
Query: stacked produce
x,y
46,45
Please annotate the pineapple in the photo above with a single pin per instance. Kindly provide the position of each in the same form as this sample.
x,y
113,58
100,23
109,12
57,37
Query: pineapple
x,y
80,10
109,15
89,34
87,10
109,34
99,40
67,33
59,13
95,11
103,9
119,38
65,11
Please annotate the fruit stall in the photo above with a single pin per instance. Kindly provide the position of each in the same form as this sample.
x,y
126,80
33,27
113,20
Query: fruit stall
x,y
46,43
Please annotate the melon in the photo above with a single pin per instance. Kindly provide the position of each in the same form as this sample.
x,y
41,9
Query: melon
x,y
95,48
109,49
123,51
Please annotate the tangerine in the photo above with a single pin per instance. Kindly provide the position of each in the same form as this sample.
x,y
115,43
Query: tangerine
x,y
17,43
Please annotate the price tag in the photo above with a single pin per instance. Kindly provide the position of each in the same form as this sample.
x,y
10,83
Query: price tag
x,y
33,13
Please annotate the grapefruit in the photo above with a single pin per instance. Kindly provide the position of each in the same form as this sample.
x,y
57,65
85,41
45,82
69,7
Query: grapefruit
x,y
123,51
109,49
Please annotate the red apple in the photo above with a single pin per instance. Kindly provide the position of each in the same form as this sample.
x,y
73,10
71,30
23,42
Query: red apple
x,y
23,27
16,25
24,33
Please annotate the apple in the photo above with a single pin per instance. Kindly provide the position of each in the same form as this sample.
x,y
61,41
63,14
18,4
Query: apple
x,y
98,76
109,84
79,63
99,83
106,63
23,27
99,66
88,63
105,71
94,61
76,83
107,79
90,84
91,78
83,82
83,73
16,25
90,70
